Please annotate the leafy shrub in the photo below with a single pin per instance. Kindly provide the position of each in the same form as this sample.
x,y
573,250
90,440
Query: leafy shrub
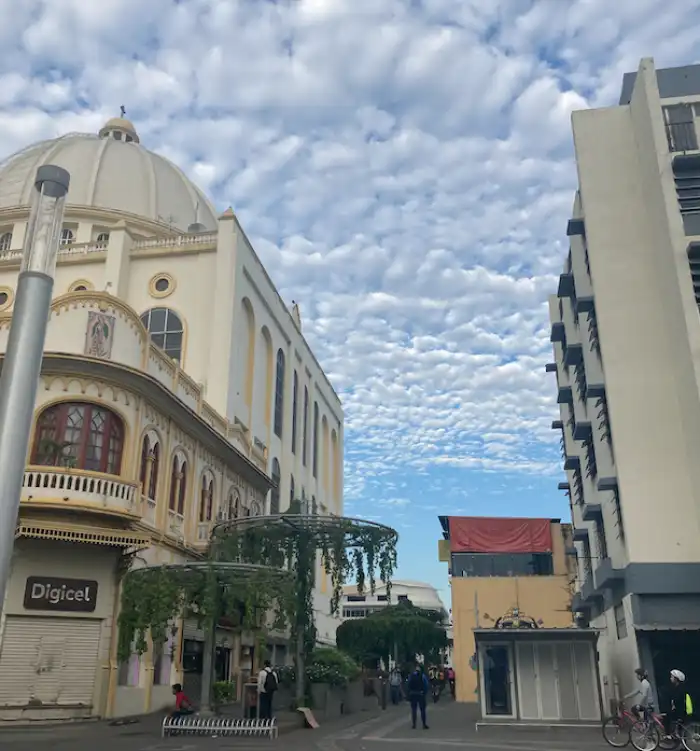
x,y
329,665
224,692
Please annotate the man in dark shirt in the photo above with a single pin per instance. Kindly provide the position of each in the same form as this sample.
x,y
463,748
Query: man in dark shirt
x,y
418,688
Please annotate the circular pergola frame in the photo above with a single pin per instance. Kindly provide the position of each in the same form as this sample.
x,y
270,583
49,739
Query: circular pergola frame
x,y
310,523
321,533
243,572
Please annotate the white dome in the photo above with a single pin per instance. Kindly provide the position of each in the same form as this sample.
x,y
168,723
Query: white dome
x,y
112,174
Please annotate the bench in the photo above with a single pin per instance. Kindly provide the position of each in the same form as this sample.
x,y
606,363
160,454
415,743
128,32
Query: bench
x,y
221,726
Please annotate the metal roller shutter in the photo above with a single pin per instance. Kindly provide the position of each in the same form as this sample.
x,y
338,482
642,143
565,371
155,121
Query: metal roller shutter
x,y
51,660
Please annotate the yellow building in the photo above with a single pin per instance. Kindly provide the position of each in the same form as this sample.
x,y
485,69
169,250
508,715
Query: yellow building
x,y
500,565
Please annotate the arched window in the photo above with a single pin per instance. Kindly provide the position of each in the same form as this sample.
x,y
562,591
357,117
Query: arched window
x,y
315,454
5,241
178,485
275,492
102,240
81,435
67,236
150,459
279,394
295,399
291,490
305,430
166,330
232,509
206,498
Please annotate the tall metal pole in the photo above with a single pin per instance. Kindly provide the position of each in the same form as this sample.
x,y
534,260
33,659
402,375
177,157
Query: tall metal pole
x,y
22,363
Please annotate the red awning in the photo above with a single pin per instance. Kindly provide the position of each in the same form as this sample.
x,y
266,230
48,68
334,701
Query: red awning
x,y
477,534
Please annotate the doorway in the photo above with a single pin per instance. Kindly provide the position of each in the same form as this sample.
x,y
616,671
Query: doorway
x,y
497,680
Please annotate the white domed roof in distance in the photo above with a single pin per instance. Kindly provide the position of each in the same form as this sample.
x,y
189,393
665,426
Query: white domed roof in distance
x,y
114,171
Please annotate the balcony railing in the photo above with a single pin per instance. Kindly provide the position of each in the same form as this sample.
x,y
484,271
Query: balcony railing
x,y
57,485
148,507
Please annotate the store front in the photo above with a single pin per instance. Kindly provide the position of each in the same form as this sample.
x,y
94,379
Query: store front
x,y
538,675
56,631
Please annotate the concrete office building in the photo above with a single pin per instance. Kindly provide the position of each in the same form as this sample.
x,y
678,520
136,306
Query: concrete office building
x,y
626,339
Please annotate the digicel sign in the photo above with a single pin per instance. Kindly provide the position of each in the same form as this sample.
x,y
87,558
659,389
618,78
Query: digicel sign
x,y
60,595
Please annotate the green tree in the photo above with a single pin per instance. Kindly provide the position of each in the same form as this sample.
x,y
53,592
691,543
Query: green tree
x,y
398,631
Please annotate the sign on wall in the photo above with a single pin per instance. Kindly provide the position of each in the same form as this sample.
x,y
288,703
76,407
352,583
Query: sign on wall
x,y
99,335
60,595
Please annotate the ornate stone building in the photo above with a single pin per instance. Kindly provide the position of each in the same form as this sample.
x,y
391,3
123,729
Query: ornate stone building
x,y
177,389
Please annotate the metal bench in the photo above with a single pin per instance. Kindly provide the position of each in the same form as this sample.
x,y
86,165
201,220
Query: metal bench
x,y
223,726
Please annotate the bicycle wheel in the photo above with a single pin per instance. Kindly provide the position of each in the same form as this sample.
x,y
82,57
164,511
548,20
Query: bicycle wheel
x,y
690,736
616,732
644,736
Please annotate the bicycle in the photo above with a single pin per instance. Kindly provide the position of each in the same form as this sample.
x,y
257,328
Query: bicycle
x,y
648,734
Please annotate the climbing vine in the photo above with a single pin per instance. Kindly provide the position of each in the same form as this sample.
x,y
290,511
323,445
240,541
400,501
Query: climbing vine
x,y
349,549
154,598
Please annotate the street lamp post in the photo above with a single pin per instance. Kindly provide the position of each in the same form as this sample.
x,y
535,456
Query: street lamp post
x,y
22,363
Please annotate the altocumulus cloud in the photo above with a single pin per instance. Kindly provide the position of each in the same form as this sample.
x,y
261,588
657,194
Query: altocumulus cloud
x,y
403,168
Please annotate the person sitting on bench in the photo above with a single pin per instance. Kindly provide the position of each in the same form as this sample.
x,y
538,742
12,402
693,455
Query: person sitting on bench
x,y
183,706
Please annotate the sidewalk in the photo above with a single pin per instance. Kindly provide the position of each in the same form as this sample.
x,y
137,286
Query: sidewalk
x,y
145,735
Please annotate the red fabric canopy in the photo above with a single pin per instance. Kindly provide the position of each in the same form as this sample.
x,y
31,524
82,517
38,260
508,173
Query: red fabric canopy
x,y
478,534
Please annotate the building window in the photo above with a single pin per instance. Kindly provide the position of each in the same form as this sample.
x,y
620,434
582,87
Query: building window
x,y
178,485
295,399
232,508
206,498
314,505
680,128
279,394
150,458
305,429
102,240
85,436
620,621
502,564
587,566
291,490
275,492
67,236
5,241
315,447
166,331
601,542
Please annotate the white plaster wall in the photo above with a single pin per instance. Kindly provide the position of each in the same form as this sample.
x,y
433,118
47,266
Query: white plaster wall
x,y
643,364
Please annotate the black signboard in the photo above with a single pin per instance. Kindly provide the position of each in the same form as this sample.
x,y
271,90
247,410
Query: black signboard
x,y
60,595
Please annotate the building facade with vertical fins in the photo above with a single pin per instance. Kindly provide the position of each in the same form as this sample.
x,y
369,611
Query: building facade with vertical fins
x,y
625,332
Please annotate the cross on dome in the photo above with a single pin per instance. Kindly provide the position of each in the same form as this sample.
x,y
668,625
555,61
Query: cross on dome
x,y
119,128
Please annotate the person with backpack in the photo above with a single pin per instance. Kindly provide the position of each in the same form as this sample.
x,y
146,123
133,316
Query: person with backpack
x,y
267,685
681,704
418,689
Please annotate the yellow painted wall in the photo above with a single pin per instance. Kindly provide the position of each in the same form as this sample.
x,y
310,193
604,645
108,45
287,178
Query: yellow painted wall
x,y
540,597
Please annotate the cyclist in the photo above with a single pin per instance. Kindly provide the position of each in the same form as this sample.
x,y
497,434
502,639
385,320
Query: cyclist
x,y
681,703
645,707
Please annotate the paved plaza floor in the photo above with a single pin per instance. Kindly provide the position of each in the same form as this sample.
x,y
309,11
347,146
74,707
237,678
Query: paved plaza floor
x,y
451,727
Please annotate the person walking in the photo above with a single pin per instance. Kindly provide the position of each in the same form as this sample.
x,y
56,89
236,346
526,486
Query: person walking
x,y
451,680
395,681
418,688
267,685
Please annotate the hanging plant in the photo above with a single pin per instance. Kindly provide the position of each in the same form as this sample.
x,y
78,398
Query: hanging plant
x,y
153,598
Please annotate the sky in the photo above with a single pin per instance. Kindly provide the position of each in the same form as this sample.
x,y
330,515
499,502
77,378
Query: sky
x,y
404,169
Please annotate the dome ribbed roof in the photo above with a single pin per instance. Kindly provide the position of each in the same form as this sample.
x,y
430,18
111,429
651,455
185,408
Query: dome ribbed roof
x,y
112,174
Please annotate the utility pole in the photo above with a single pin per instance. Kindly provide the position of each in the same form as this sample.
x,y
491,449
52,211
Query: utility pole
x,y
22,362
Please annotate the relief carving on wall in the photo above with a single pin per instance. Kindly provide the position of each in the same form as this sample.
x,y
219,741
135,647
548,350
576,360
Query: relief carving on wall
x,y
99,336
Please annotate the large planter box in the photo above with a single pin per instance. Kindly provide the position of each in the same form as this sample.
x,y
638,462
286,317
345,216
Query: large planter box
x,y
327,701
353,697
